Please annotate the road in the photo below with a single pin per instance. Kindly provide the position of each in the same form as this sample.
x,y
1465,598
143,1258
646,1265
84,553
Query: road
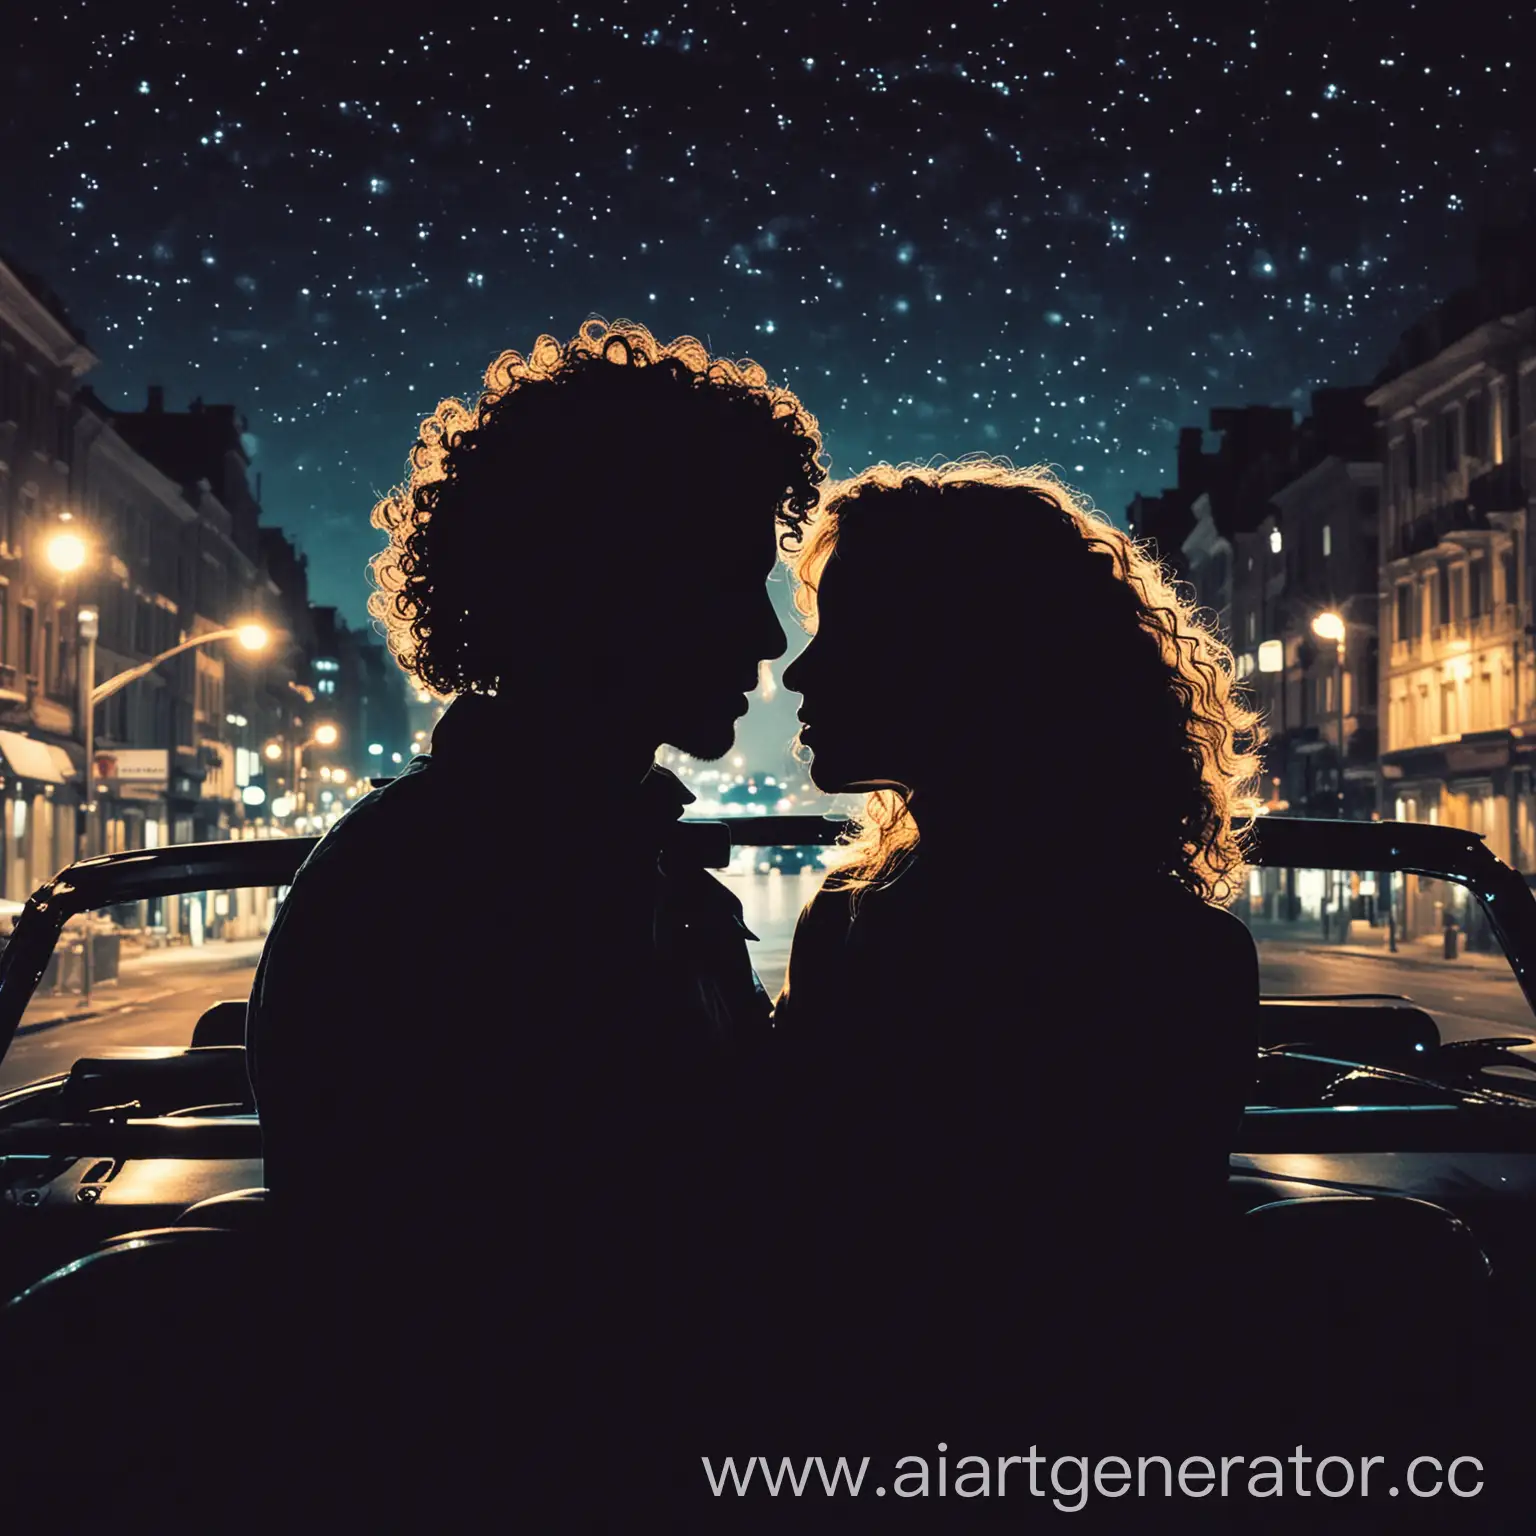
x,y
159,998
1467,999
157,1001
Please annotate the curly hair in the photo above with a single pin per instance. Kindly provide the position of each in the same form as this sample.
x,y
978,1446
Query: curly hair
x,y
592,430
1091,591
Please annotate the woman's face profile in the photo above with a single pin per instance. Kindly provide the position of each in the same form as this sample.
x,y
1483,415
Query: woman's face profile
x,y
864,712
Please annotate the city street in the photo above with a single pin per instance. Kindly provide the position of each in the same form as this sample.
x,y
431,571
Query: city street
x,y
157,1001
160,996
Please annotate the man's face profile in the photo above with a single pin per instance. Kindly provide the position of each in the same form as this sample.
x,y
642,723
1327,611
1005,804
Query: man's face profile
x,y
717,623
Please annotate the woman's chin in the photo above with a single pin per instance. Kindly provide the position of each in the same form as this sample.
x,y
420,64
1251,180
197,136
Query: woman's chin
x,y
831,780
822,776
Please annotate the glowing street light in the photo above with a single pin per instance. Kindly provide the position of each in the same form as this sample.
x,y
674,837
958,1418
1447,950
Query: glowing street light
x,y
326,735
1329,626
272,751
254,637
66,552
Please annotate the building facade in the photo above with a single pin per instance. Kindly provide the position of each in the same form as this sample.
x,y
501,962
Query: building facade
x,y
1314,552
42,356
1457,413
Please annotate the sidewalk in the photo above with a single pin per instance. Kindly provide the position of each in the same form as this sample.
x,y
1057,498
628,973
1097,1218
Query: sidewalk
x,y
142,978
1426,952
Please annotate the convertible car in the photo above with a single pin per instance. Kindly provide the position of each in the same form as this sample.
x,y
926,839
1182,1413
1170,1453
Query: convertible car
x,y
1387,1159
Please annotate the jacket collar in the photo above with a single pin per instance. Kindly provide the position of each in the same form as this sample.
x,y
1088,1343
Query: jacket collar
x,y
476,731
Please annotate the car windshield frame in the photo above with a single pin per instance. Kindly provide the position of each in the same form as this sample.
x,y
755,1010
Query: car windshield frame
x,y
1436,852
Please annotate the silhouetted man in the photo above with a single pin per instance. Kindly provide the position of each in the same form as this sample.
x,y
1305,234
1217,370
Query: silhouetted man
x,y
496,1025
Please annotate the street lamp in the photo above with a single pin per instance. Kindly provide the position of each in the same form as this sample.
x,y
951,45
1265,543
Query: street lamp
x,y
66,552
254,637
1330,626
325,735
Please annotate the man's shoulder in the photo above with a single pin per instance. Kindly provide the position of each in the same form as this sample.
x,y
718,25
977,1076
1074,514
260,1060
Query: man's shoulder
x,y
370,822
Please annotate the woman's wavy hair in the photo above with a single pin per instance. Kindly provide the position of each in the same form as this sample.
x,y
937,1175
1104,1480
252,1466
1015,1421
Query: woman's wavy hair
x,y
590,434
1152,676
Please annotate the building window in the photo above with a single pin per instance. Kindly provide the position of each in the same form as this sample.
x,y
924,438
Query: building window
x,y
25,660
1413,459
10,391
1327,541
1447,707
1253,629
1475,424
1511,587
1477,588
1404,611
1276,543
1450,443
1443,594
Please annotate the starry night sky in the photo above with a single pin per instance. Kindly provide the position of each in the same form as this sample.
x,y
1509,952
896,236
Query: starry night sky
x,y
1054,232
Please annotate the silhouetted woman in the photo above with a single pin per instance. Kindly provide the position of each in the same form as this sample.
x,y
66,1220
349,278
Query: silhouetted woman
x,y
1018,1027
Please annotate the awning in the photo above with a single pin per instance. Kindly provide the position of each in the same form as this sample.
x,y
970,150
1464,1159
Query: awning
x,y
29,759
65,761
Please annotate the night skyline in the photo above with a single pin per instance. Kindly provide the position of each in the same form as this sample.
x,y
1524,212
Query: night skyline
x,y
1059,241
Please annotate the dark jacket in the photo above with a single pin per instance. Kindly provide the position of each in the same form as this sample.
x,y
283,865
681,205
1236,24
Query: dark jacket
x,y
1013,1111
497,1047
442,935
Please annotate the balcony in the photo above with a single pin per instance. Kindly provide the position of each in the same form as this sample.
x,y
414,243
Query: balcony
x,y
1499,490
1428,529
1499,620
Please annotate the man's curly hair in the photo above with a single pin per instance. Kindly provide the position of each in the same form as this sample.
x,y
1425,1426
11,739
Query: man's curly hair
x,y
1053,604
589,437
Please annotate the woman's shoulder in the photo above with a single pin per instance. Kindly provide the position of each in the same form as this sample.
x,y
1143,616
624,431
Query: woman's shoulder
x,y
1187,933
826,918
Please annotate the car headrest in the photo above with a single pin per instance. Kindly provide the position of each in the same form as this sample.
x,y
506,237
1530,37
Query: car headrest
x,y
1357,1031
1354,1249
240,1210
158,1085
150,1276
222,1024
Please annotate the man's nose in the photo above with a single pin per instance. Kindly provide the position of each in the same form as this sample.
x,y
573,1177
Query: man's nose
x,y
773,642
